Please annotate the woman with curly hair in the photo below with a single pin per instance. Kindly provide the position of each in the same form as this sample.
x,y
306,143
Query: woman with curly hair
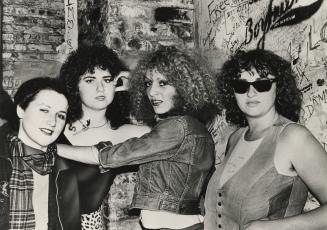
x,y
173,94
271,161
98,113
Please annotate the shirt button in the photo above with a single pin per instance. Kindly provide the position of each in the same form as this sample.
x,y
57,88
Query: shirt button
x,y
219,225
219,215
219,203
219,194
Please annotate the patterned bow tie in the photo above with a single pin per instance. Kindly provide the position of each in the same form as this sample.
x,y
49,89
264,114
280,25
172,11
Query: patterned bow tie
x,y
39,161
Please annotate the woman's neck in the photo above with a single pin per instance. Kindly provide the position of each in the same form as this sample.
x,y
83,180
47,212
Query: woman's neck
x,y
27,140
259,125
95,117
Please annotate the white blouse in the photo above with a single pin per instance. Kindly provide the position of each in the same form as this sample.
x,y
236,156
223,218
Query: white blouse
x,y
40,200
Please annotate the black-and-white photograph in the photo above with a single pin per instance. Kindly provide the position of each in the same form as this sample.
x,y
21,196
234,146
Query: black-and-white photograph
x,y
163,115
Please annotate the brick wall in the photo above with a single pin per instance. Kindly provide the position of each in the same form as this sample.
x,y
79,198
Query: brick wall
x,y
32,30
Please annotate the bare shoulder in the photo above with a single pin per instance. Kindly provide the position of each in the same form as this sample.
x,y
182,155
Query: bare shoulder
x,y
135,130
299,141
295,133
306,156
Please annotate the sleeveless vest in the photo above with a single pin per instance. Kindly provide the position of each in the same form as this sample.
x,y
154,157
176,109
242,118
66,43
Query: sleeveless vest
x,y
256,191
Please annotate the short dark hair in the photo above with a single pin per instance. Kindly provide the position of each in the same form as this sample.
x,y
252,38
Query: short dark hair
x,y
29,89
85,59
8,110
196,88
288,96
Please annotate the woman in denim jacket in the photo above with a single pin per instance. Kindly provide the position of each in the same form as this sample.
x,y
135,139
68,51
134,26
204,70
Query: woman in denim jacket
x,y
174,95
97,113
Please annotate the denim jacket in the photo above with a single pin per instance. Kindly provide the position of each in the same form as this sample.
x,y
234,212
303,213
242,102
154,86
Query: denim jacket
x,y
175,160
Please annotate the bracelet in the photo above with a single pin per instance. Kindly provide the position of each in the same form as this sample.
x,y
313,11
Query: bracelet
x,y
103,145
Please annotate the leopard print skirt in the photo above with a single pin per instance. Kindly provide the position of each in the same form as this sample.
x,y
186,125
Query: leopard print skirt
x,y
93,220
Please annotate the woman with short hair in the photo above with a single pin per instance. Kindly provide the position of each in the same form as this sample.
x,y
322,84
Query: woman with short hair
x,y
27,192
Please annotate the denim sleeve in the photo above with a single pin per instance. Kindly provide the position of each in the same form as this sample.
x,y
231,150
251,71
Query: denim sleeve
x,y
161,143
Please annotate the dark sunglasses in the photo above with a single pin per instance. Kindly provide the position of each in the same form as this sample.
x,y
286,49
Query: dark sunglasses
x,y
260,85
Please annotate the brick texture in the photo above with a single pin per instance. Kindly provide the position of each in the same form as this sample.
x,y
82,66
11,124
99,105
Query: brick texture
x,y
32,29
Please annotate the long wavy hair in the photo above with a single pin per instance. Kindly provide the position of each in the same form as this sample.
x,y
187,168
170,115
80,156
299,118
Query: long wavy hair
x,y
196,88
86,59
288,96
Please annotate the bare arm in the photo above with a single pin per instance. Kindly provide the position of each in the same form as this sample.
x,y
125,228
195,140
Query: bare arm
x,y
309,160
84,154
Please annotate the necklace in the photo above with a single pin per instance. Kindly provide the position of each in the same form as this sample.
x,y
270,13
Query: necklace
x,y
88,124
85,126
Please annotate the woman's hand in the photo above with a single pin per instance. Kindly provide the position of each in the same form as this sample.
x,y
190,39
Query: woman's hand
x,y
123,77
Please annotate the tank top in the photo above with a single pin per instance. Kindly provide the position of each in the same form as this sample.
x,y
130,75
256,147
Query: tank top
x,y
239,157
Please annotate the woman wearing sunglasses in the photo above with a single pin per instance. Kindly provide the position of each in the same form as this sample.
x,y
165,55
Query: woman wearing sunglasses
x,y
271,161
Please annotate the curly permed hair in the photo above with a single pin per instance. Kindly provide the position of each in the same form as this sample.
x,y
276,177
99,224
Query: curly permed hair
x,y
288,96
197,92
83,60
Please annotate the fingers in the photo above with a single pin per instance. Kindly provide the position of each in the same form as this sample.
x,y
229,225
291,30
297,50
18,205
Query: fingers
x,y
122,81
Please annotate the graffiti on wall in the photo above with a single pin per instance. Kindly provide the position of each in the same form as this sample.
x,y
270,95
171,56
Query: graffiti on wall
x,y
11,84
135,27
71,30
294,29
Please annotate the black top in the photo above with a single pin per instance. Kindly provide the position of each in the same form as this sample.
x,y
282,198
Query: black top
x,y
92,185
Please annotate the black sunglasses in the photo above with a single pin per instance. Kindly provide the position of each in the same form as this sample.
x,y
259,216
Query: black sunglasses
x,y
241,87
